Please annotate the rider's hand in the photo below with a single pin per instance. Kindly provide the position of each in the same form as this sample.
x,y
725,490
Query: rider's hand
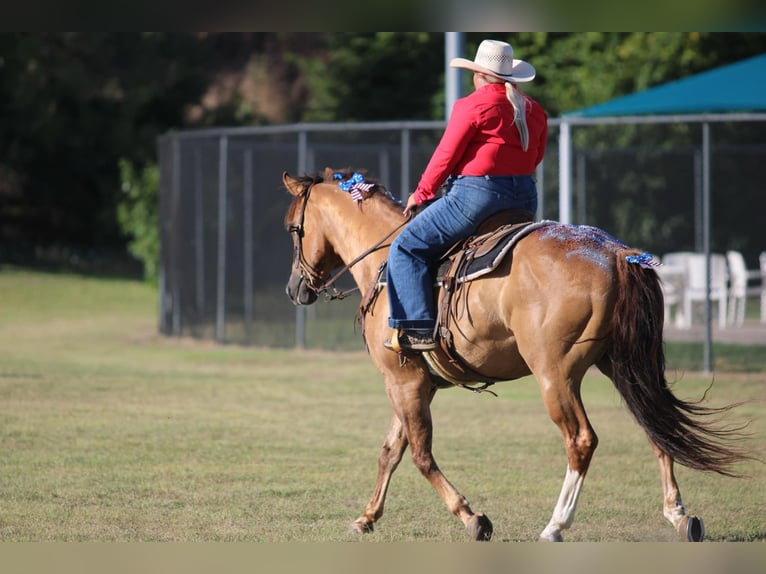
x,y
411,206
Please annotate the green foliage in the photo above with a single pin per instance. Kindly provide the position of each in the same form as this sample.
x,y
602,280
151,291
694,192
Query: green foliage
x,y
76,103
375,76
137,214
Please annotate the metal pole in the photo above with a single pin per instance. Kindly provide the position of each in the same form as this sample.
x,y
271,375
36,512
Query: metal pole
x,y
404,191
248,239
220,320
706,216
167,185
454,47
384,164
539,172
199,237
582,213
175,275
698,201
565,173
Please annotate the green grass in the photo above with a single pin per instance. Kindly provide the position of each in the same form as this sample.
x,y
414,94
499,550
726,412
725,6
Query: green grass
x,y
110,432
729,358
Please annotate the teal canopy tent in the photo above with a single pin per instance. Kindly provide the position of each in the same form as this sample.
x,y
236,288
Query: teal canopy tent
x,y
738,87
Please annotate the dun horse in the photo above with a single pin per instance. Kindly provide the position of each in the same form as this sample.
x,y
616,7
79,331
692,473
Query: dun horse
x,y
570,299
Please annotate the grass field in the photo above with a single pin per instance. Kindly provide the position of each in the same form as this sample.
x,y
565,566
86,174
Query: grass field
x,y
110,432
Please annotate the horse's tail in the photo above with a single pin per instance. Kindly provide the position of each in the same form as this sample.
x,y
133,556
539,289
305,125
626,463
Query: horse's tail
x,y
681,429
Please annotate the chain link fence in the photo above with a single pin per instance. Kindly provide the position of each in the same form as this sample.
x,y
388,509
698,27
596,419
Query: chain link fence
x,y
225,256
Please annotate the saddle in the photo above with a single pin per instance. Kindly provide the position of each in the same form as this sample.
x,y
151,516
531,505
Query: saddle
x,y
483,252
464,262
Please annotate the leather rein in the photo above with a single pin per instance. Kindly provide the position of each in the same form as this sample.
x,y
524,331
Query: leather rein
x,y
311,275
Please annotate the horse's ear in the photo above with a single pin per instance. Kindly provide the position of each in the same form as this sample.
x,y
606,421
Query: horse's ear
x,y
292,184
328,173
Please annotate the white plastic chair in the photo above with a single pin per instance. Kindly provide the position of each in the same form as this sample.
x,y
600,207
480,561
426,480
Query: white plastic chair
x,y
696,285
673,274
738,276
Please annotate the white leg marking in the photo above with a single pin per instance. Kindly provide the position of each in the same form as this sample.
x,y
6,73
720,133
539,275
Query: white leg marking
x,y
675,514
563,514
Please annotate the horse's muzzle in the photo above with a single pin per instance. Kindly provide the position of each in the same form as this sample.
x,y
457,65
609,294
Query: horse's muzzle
x,y
298,290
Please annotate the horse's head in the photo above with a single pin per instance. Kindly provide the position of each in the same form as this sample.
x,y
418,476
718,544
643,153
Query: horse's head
x,y
313,256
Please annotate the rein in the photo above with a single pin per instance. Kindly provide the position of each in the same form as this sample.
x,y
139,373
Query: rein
x,y
313,277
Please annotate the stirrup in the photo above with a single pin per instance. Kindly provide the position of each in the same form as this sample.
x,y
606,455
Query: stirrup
x,y
410,340
392,344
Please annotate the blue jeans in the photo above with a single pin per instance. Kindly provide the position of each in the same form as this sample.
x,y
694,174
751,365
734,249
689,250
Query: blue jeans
x,y
469,200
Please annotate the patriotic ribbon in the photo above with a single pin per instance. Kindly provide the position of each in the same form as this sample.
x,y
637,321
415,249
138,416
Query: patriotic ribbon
x,y
645,260
354,185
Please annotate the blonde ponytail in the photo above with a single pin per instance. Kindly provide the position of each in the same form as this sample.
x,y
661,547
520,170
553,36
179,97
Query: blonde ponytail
x,y
519,103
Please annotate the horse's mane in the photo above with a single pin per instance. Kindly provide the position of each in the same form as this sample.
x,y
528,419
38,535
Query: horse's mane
x,y
378,192
307,180
335,176
345,173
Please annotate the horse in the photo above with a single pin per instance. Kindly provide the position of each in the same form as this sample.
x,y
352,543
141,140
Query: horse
x,y
566,299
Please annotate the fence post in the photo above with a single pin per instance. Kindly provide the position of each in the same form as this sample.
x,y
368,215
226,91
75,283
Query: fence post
x,y
247,198
454,47
565,173
708,353
220,320
582,211
175,217
199,235
404,190
698,201
540,176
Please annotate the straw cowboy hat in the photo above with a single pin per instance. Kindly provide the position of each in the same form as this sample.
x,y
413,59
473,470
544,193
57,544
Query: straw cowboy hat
x,y
496,59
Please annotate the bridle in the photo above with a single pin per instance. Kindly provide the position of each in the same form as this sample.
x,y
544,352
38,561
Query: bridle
x,y
309,274
313,277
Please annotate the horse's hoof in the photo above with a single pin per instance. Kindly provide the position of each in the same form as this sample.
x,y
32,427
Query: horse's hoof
x,y
694,528
480,527
360,527
551,538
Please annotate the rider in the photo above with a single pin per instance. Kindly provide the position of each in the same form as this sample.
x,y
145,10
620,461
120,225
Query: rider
x,y
494,140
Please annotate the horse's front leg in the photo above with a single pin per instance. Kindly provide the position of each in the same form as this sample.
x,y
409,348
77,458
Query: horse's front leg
x,y
390,456
691,528
412,402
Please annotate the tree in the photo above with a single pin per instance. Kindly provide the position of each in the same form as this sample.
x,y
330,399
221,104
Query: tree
x,y
73,104
375,76
137,214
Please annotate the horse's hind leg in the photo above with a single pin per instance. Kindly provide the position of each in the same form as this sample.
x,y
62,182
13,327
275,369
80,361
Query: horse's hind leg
x,y
691,528
390,456
562,399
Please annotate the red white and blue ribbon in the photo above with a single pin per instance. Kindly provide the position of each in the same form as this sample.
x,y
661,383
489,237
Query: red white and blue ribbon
x,y
645,260
354,185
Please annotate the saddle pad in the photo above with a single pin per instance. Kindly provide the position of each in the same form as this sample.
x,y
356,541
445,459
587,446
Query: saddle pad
x,y
484,260
484,253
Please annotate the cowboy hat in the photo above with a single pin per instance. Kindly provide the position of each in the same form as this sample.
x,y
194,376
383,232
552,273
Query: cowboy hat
x,y
496,59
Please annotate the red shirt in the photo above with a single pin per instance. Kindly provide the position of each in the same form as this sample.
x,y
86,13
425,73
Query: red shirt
x,y
481,139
